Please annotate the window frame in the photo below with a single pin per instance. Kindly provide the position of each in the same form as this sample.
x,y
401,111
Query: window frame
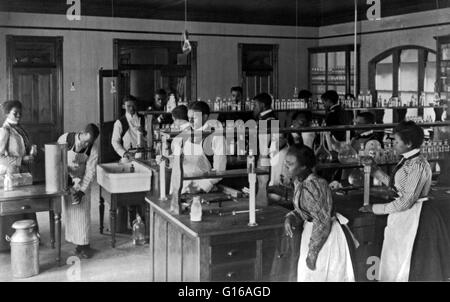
x,y
396,54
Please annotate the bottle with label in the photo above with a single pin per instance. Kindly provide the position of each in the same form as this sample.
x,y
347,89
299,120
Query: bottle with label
x,y
196,209
361,151
7,182
132,168
421,101
251,162
369,99
138,231
379,102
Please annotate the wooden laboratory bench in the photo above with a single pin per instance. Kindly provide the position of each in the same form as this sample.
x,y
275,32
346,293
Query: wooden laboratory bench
x,y
219,248
32,199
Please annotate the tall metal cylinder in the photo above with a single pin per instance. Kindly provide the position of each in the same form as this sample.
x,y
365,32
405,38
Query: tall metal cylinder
x,y
56,173
24,249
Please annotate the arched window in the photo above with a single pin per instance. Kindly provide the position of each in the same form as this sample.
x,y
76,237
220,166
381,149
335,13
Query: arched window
x,y
404,72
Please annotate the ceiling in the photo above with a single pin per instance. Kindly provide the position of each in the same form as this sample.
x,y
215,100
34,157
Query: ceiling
x,y
271,12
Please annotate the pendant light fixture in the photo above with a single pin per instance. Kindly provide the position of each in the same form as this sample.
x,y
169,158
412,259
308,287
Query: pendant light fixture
x,y
113,89
296,50
355,52
186,45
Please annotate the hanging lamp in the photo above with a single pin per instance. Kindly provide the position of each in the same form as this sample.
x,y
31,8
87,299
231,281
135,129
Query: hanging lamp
x,y
296,50
186,45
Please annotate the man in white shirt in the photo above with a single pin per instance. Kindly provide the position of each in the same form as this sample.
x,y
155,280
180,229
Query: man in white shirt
x,y
129,130
201,155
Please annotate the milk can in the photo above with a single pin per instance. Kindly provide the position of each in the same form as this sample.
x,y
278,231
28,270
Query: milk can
x,y
24,249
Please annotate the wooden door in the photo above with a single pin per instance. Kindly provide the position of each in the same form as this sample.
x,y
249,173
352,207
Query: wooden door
x,y
34,77
35,88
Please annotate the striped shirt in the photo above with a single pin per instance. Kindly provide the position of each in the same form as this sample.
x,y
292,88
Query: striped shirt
x,y
412,181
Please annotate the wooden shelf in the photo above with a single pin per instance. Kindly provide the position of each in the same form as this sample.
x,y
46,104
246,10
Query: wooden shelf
x,y
321,129
401,107
327,166
225,174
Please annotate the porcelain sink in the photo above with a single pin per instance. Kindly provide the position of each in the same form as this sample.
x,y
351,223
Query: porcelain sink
x,y
117,178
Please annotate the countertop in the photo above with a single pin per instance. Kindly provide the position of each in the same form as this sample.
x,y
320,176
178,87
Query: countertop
x,y
31,191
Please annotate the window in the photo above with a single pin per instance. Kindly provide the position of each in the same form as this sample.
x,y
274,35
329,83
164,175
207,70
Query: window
x,y
404,72
146,66
258,71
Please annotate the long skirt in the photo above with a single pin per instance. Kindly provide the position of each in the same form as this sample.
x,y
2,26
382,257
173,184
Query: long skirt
x,y
333,264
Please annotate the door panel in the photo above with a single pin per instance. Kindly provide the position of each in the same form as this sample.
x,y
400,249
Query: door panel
x,y
35,89
23,92
45,98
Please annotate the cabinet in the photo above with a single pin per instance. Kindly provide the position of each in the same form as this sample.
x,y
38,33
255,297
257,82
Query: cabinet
x,y
443,68
220,248
332,68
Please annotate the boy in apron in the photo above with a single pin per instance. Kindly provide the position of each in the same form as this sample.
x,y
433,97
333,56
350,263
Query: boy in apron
x,y
410,182
82,156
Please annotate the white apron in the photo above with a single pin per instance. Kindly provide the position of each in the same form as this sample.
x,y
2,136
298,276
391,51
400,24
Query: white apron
x,y
334,263
399,236
77,217
195,162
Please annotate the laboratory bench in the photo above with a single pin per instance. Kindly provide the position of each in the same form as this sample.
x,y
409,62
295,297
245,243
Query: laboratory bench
x,y
222,247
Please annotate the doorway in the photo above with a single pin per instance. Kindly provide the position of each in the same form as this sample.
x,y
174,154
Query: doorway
x,y
34,73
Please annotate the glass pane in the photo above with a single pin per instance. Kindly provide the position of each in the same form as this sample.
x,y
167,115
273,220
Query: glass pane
x,y
408,75
145,55
318,73
257,60
445,71
445,51
109,100
336,72
34,53
352,73
429,85
384,84
384,78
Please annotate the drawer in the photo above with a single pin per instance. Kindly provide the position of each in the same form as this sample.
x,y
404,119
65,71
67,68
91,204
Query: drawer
x,y
231,252
24,206
243,271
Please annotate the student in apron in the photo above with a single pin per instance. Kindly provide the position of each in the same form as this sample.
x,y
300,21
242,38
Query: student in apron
x,y
410,182
200,155
82,156
324,251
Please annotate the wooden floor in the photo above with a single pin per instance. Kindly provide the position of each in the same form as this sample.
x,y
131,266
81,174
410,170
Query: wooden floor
x,y
124,263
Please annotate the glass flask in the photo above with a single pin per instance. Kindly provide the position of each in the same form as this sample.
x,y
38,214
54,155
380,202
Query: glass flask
x,y
322,153
348,155
138,231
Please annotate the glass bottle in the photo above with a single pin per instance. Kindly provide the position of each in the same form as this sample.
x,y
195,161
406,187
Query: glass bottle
x,y
138,231
196,209
7,182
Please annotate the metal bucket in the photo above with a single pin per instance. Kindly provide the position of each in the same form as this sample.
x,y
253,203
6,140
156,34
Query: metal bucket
x,y
24,249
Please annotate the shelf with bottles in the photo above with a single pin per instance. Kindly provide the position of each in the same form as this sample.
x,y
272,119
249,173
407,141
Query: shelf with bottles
x,y
365,101
314,128
328,166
